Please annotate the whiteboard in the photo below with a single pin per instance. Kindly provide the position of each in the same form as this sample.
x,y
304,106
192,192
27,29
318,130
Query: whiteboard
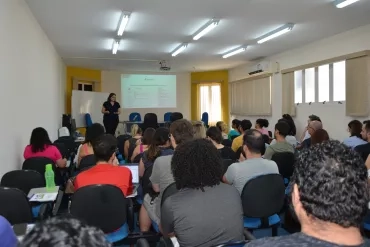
x,y
87,102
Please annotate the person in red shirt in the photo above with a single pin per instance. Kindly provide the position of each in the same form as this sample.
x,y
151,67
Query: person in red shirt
x,y
106,170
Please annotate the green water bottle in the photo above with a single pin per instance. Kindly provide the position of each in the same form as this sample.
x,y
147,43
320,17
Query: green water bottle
x,y
49,177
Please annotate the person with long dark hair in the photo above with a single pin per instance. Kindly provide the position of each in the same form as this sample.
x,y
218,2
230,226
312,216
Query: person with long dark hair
x,y
289,119
92,133
111,110
41,146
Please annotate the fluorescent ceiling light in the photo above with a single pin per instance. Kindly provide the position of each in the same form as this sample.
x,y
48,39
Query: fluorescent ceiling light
x,y
115,47
234,52
276,33
206,28
123,24
344,3
179,49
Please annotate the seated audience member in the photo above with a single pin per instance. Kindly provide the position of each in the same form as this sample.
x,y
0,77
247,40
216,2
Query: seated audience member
x,y
293,129
234,132
289,138
281,145
215,136
181,131
223,128
199,129
67,232
197,168
261,125
41,146
355,139
106,170
306,134
92,133
7,236
319,136
150,121
143,145
364,149
238,141
330,198
160,146
130,144
312,127
238,174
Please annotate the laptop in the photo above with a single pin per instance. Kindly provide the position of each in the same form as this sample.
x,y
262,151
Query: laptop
x,y
134,168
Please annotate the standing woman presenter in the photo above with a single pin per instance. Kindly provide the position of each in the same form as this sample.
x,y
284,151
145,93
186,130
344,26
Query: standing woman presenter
x,y
111,110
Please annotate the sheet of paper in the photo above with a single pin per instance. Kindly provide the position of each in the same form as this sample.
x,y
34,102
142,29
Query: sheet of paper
x,y
44,197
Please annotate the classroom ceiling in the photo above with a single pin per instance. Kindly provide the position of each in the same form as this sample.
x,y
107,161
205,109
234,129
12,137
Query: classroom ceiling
x,y
82,31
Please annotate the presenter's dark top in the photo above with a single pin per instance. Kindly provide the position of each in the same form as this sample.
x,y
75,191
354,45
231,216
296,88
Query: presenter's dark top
x,y
112,109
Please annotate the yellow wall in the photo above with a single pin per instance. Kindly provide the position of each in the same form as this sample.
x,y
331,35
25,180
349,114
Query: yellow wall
x,y
80,73
211,76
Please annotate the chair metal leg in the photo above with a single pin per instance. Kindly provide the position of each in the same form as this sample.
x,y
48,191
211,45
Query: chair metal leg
x,y
248,234
274,231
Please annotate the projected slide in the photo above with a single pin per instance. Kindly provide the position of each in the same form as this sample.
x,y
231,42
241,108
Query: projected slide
x,y
148,91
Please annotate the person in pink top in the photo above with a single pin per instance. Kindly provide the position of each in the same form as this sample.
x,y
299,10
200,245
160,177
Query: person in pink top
x,y
41,146
261,125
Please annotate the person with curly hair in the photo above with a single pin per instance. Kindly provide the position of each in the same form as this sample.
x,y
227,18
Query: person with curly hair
x,y
330,197
64,231
261,125
204,212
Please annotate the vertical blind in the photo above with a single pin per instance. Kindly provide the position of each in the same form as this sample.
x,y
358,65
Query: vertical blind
x,y
288,94
251,96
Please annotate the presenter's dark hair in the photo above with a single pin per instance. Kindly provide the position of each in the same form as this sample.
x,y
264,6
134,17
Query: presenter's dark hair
x,y
110,96
64,231
196,164
39,139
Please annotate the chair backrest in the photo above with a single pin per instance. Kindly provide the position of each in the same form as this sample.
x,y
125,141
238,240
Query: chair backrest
x,y
176,116
103,206
121,142
134,117
14,206
88,120
285,162
263,196
205,118
23,180
227,142
146,184
167,116
69,144
168,191
87,161
226,163
38,164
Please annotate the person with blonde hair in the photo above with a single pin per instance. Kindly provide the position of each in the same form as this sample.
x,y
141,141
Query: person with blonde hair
x,y
199,129
222,126
130,144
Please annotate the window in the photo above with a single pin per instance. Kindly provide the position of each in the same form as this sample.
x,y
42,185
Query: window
x,y
339,81
85,87
298,86
323,84
210,101
309,82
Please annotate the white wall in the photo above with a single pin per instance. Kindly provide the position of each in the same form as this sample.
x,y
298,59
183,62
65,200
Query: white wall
x,y
32,77
332,115
111,82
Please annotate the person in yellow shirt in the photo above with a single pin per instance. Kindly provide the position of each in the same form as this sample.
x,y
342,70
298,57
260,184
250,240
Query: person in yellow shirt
x,y
238,141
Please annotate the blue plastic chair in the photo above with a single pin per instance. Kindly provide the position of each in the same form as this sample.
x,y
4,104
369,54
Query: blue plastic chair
x,y
262,199
88,120
167,116
134,117
205,118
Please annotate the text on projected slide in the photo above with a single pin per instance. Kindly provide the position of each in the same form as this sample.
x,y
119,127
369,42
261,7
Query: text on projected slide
x,y
148,91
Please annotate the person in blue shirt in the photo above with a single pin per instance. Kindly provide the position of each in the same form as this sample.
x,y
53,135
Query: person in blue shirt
x,y
111,110
355,139
234,132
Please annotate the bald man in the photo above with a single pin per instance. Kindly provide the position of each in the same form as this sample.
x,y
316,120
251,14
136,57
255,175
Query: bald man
x,y
312,127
